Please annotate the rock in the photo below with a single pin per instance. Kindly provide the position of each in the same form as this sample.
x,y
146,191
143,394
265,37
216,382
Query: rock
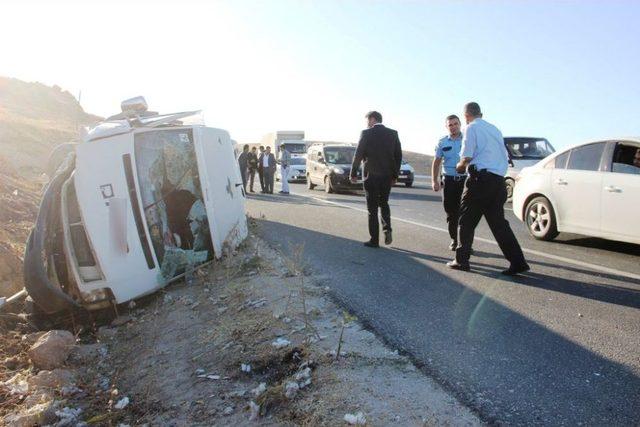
x,y
31,339
121,320
17,384
68,417
40,414
281,342
355,419
254,409
106,333
86,353
39,397
122,403
227,411
260,389
52,349
55,379
291,390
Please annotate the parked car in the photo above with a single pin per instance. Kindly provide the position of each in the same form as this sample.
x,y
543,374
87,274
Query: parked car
x,y
330,165
406,174
524,152
297,170
590,189
141,200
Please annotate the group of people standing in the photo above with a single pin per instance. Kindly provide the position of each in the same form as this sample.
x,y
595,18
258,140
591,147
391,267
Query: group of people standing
x,y
264,163
472,181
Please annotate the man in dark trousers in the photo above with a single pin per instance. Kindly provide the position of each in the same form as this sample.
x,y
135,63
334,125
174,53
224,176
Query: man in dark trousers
x,y
253,167
448,155
485,158
268,162
243,163
379,148
261,169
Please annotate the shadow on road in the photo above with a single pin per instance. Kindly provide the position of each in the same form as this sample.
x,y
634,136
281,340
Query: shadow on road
x,y
612,294
511,369
597,243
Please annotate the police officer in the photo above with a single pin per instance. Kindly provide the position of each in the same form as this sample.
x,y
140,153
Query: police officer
x,y
485,157
448,152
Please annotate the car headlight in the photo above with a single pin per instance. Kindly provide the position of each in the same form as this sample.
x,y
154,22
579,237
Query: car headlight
x,y
338,170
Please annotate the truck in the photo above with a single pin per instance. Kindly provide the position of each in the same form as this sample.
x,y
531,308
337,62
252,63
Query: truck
x,y
292,139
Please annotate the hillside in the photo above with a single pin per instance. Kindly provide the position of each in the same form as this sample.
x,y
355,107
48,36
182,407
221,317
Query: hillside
x,y
34,118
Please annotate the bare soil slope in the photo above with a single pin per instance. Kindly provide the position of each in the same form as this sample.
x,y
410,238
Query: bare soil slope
x,y
34,118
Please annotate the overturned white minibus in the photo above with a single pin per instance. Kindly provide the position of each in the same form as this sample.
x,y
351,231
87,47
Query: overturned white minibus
x,y
142,199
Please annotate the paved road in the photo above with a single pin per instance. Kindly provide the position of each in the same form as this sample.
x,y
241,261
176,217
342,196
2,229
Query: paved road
x,y
558,346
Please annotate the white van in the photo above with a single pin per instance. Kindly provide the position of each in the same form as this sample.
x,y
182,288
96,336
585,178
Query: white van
x,y
143,198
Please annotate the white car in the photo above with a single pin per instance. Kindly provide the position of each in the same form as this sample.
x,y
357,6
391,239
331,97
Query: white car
x,y
524,152
590,189
297,170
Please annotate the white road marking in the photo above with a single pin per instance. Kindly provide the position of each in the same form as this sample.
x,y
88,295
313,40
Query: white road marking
x,y
590,266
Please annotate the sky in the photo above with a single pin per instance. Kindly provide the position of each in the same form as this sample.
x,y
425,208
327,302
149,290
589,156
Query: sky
x,y
564,70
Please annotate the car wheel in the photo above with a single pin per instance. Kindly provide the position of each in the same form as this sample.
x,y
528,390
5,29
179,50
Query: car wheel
x,y
540,219
327,185
511,184
310,185
409,184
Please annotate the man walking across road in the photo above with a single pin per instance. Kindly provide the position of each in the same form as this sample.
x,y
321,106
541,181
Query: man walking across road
x,y
285,161
268,162
485,155
448,153
253,167
380,151
261,169
243,163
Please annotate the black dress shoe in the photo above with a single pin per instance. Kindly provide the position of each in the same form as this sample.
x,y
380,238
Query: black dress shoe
x,y
371,244
454,265
453,245
388,239
516,269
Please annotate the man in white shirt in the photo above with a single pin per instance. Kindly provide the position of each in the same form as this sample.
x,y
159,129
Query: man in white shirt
x,y
285,160
485,155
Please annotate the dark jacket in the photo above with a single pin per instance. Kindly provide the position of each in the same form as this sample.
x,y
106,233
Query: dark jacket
x,y
272,161
379,148
243,161
252,161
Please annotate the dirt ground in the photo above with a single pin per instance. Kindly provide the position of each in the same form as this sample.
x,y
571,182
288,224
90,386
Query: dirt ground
x,y
197,354
19,200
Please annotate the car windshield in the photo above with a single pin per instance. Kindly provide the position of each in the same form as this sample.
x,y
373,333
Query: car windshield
x,y
339,155
296,148
298,161
528,148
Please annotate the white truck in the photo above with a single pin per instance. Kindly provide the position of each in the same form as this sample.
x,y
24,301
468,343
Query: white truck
x,y
292,139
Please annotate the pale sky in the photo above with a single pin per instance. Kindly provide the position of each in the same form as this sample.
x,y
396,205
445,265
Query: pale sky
x,y
563,70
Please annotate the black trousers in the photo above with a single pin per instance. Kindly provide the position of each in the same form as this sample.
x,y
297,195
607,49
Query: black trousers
x,y
243,174
485,194
252,176
261,176
377,189
451,199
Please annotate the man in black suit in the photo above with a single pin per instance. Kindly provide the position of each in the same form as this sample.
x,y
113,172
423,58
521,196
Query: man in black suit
x,y
379,148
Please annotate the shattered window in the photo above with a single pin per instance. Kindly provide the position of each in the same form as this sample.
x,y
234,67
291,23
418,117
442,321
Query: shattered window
x,y
172,200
